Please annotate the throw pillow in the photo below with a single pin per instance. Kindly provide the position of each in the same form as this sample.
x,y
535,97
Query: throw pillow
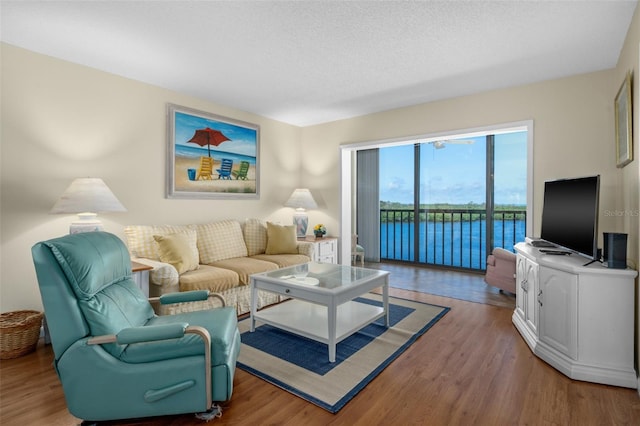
x,y
176,250
140,238
281,239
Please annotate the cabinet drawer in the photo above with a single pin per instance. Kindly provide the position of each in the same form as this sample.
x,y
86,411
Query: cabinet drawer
x,y
330,258
325,248
297,292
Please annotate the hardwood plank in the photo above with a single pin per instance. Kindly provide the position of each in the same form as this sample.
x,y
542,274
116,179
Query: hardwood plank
x,y
472,367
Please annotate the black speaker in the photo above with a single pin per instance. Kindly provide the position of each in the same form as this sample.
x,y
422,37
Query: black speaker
x,y
615,250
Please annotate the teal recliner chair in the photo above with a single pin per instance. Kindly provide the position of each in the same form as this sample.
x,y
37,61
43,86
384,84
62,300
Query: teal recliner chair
x,y
115,358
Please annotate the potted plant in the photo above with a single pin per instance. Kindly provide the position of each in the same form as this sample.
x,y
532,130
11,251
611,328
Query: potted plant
x,y
319,230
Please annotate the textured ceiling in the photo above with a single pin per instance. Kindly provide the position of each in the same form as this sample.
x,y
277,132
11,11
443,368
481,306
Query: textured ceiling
x,y
308,62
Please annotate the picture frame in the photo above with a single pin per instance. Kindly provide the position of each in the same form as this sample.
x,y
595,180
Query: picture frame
x,y
210,156
623,120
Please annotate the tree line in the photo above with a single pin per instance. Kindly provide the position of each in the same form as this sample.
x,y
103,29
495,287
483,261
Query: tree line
x,y
391,211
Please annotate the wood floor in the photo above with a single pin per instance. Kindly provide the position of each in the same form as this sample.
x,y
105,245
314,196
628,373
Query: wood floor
x,y
471,368
440,282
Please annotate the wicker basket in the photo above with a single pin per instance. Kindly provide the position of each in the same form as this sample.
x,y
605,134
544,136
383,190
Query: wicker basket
x,y
19,333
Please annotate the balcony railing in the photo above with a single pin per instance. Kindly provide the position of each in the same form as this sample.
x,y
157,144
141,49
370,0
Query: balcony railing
x,y
456,238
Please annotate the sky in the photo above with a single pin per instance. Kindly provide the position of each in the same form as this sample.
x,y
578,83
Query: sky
x,y
455,174
242,139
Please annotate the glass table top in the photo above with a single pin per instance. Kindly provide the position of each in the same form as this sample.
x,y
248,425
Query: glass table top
x,y
324,275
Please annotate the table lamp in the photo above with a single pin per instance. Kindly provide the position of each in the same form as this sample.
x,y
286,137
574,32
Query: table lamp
x,y
301,200
87,197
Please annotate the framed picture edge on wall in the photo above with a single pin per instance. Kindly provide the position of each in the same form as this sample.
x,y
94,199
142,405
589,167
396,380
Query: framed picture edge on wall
x,y
194,136
623,120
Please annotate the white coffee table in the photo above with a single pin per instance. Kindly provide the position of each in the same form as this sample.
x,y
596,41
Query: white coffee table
x,y
322,308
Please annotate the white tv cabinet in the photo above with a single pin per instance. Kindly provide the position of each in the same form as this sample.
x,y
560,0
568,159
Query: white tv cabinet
x,y
577,318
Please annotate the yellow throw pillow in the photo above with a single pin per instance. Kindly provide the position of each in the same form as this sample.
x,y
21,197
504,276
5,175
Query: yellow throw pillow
x,y
176,250
281,239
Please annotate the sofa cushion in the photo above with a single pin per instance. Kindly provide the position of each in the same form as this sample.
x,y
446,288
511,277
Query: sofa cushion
x,y
245,266
210,278
140,239
283,260
255,236
179,250
281,239
220,240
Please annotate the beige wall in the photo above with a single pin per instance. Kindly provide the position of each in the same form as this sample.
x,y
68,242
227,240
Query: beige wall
x,y
61,121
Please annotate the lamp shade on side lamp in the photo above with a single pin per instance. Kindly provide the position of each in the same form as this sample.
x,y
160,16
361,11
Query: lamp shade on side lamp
x,y
301,200
87,197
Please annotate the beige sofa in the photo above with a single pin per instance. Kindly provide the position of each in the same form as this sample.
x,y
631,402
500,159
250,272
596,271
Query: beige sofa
x,y
218,256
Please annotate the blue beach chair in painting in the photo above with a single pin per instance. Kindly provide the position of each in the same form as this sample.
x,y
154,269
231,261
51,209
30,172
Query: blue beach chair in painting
x,y
224,172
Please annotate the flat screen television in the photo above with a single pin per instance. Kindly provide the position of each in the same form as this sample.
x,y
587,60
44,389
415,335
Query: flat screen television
x,y
570,214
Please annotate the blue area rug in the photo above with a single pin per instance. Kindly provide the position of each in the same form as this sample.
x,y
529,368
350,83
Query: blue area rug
x,y
301,366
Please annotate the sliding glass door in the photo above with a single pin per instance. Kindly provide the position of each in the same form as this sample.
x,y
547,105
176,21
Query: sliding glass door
x,y
450,202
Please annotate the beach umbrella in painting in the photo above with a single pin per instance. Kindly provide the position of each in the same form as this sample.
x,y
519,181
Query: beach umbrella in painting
x,y
208,137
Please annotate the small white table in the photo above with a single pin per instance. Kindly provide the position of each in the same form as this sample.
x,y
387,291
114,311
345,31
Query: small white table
x,y
325,248
322,308
140,274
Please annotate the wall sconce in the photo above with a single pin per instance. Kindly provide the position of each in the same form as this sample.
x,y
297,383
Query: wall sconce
x,y
87,197
301,200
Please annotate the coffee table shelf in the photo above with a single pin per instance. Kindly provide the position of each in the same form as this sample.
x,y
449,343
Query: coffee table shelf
x,y
312,320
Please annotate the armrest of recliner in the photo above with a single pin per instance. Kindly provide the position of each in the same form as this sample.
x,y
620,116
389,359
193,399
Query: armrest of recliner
x,y
142,334
161,332
151,333
187,296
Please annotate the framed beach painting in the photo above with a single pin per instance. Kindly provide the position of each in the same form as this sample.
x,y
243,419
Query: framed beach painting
x,y
623,117
211,157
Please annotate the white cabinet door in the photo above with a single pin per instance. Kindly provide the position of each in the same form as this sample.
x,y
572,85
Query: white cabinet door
x,y
531,303
526,290
328,251
558,300
521,294
325,250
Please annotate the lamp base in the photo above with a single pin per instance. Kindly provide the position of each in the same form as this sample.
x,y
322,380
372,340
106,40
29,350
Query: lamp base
x,y
301,221
87,223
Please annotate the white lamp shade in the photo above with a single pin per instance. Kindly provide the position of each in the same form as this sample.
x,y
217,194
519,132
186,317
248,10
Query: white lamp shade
x,y
301,199
87,195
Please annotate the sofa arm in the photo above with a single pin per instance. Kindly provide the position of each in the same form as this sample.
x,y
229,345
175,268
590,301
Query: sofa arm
x,y
307,248
164,277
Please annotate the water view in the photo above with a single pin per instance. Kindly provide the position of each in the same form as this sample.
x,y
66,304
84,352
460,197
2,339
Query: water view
x,y
457,244
453,180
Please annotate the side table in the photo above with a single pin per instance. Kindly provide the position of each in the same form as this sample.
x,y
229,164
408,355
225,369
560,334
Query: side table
x,y
325,249
141,276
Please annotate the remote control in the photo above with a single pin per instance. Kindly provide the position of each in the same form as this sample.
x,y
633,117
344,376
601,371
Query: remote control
x,y
558,252
541,243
